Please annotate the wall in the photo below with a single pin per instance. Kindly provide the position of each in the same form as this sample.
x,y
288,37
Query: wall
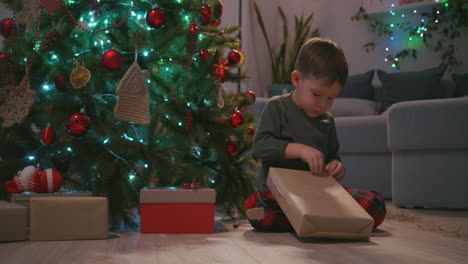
x,y
333,19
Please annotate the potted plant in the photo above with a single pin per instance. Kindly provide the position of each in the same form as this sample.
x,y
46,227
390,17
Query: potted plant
x,y
283,60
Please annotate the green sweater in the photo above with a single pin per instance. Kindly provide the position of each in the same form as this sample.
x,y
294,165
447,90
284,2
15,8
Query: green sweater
x,y
283,122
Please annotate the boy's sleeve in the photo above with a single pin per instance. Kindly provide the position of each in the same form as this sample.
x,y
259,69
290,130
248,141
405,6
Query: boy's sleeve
x,y
333,144
267,143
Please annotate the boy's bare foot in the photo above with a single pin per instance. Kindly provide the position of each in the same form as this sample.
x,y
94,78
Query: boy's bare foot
x,y
255,213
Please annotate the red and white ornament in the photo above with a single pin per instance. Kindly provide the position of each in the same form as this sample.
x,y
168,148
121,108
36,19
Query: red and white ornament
x,y
20,183
46,181
112,60
8,27
155,18
78,124
237,118
48,135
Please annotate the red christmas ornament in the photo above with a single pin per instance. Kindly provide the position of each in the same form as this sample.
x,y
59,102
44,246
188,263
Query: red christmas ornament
x,y
4,56
48,135
234,57
193,27
156,18
232,148
61,82
237,118
112,60
251,97
8,27
189,122
78,124
204,20
216,23
251,133
206,10
205,14
204,54
46,181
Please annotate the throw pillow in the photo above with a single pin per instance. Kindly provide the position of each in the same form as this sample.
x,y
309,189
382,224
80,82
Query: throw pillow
x,y
409,86
359,86
353,107
461,84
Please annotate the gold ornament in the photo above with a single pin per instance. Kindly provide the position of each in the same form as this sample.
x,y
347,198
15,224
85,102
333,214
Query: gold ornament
x,y
80,76
220,101
242,58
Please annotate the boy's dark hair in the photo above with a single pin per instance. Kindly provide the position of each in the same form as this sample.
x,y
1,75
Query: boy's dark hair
x,y
322,58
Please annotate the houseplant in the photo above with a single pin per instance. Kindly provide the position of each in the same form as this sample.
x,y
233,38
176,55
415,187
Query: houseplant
x,y
283,60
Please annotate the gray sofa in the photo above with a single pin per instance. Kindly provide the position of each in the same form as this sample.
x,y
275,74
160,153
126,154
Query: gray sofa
x,y
416,152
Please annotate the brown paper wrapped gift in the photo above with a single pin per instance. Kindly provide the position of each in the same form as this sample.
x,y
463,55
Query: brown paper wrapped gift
x,y
318,206
68,218
12,222
24,197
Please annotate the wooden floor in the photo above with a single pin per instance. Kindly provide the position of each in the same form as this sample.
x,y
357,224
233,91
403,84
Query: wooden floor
x,y
406,236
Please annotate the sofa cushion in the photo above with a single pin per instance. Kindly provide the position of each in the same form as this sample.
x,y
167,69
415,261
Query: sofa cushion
x,y
409,86
359,86
461,84
353,107
362,134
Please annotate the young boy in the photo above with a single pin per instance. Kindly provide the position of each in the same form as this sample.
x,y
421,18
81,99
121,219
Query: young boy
x,y
296,131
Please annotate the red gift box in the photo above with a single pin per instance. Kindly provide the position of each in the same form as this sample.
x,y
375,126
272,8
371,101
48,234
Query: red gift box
x,y
177,210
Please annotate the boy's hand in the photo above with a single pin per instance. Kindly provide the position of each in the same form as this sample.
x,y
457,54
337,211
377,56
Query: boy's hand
x,y
335,169
314,158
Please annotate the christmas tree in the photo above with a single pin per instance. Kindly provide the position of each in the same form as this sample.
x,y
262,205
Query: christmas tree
x,y
119,95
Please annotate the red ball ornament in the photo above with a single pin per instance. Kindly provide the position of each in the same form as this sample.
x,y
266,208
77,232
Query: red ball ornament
x,y
234,57
232,148
251,133
216,23
112,60
206,10
61,82
4,56
193,27
205,14
237,118
204,54
251,97
156,18
8,27
189,123
48,135
78,124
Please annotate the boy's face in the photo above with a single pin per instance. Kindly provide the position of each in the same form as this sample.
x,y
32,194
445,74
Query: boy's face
x,y
314,96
